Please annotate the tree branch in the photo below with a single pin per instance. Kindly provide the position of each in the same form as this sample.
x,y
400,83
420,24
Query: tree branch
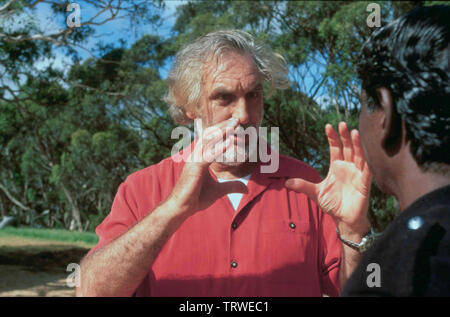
x,y
6,5
14,200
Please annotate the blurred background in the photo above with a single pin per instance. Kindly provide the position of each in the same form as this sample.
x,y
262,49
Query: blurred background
x,y
81,107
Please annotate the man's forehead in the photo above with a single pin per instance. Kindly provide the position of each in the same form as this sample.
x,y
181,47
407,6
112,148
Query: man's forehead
x,y
230,66
220,86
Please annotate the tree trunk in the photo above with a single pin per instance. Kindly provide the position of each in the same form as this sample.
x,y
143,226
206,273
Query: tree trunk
x,y
2,208
31,213
75,211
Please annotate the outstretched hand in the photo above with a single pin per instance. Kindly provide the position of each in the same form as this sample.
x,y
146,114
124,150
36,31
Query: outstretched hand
x,y
344,193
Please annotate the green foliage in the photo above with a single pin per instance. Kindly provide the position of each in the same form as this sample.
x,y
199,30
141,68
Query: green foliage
x,y
68,139
320,41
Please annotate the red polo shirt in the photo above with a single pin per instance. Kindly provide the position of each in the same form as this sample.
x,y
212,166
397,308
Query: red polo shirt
x,y
277,243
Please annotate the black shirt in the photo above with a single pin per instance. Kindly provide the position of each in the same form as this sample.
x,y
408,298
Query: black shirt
x,y
412,257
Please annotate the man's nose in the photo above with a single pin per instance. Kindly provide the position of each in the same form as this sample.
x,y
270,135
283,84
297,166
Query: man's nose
x,y
240,111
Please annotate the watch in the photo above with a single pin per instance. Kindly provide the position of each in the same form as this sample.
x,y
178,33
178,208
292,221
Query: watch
x,y
365,243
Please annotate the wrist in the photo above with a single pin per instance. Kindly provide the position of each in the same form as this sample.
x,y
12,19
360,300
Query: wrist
x,y
176,209
352,237
361,245
355,231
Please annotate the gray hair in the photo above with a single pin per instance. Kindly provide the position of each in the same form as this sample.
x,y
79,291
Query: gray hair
x,y
185,77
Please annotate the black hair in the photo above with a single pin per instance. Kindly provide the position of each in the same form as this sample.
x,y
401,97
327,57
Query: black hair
x,y
410,56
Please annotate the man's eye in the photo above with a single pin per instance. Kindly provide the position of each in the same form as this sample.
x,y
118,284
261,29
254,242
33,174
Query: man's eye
x,y
225,97
254,94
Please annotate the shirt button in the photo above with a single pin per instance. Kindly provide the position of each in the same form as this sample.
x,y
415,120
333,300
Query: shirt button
x,y
234,225
234,264
292,225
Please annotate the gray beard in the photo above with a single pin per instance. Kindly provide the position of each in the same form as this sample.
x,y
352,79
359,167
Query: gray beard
x,y
239,154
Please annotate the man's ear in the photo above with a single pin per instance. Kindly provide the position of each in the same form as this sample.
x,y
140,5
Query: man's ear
x,y
391,127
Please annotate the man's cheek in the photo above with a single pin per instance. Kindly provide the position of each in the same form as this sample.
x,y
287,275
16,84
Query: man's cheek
x,y
366,156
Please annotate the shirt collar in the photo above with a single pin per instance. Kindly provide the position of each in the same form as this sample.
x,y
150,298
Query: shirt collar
x,y
440,196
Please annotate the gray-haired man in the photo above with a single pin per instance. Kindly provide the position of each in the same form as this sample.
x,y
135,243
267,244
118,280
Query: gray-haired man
x,y
208,227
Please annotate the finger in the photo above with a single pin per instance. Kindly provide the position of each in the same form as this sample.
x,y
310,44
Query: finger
x,y
346,142
215,140
360,160
219,128
334,142
359,154
366,175
302,186
214,149
214,134
202,150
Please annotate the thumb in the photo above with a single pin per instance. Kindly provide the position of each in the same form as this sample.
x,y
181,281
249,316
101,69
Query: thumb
x,y
302,186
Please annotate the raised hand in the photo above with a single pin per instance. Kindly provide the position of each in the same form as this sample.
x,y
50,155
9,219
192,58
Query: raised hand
x,y
344,193
196,189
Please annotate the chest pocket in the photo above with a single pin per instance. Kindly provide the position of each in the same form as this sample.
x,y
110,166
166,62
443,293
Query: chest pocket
x,y
285,226
289,252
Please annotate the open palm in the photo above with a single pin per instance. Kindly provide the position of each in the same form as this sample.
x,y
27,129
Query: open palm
x,y
344,193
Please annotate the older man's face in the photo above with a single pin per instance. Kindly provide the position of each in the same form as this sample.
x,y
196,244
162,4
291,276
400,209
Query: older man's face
x,y
232,88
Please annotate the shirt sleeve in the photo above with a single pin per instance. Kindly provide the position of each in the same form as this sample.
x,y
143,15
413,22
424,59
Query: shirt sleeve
x,y
329,256
123,216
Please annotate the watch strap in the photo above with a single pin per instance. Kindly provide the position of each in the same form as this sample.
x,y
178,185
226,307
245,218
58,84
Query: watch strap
x,y
365,243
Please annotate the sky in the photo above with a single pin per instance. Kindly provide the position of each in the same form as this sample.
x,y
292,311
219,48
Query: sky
x,y
111,33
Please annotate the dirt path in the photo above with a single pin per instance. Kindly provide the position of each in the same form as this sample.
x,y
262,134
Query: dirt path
x,y
31,267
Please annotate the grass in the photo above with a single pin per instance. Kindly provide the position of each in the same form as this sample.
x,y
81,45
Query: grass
x,y
87,238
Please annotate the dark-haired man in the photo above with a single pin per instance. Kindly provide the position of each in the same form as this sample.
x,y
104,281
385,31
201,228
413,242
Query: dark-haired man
x,y
405,133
